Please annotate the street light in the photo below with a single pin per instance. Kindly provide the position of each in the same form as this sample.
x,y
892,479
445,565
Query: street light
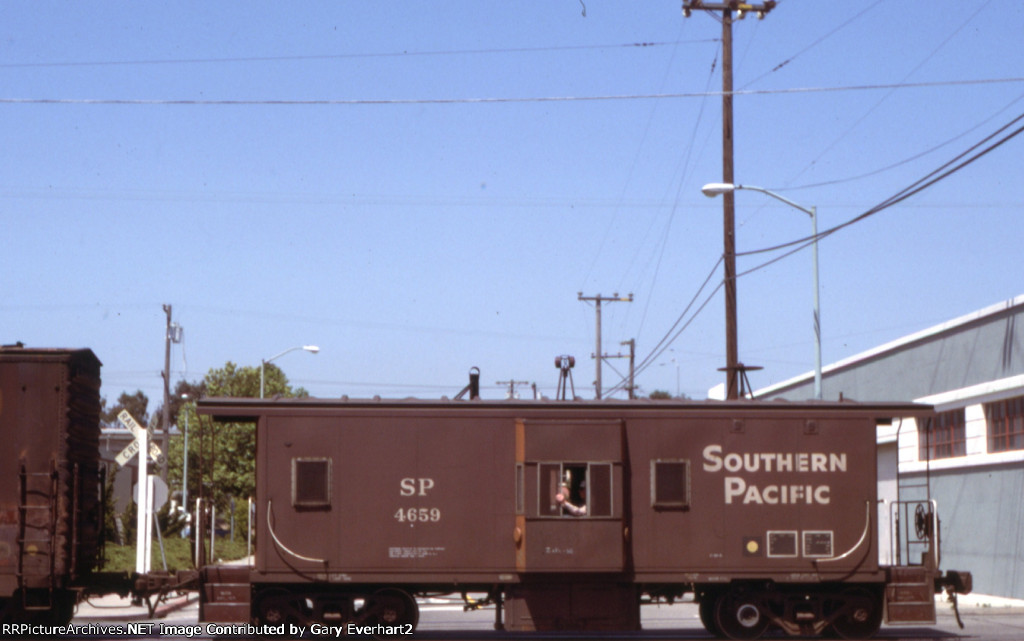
x,y
715,189
312,349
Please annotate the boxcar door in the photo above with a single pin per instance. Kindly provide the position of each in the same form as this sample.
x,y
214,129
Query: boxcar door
x,y
570,501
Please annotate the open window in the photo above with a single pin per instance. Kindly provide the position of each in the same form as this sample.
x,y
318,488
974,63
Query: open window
x,y
569,489
311,482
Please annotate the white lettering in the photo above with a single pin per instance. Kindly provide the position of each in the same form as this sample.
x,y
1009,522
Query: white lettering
x,y
407,487
733,462
734,486
712,458
821,494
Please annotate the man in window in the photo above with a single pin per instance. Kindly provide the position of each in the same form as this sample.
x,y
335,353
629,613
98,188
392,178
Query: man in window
x,y
563,496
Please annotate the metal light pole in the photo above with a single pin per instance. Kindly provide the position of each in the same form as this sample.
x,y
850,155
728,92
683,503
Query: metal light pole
x,y
714,189
312,349
184,465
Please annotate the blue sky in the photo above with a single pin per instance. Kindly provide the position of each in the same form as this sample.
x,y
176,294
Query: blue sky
x,y
436,210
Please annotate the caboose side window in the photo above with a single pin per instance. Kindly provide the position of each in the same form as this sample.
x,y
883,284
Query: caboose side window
x,y
575,489
670,484
311,482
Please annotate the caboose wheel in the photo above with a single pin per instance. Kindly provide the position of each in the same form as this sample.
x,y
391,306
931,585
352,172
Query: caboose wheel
x,y
861,614
738,615
275,606
395,607
706,609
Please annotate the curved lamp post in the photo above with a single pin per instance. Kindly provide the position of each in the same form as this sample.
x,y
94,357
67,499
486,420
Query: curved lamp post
x,y
715,189
312,349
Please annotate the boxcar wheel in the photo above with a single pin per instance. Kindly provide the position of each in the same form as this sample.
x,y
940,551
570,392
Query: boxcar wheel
x,y
738,615
861,614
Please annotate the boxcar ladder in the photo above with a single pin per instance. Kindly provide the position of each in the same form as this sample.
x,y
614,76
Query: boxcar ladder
x,y
37,532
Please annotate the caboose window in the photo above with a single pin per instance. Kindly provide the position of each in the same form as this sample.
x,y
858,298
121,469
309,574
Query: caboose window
x,y
311,482
670,484
575,490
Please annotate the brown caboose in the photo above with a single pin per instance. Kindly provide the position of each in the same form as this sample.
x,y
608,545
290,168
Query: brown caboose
x,y
570,515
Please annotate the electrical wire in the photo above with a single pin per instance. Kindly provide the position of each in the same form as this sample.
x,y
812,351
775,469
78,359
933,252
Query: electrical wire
x,y
332,102
347,56
941,173
812,45
905,161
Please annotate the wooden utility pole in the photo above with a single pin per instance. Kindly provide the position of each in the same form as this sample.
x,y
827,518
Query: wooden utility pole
x,y
597,352
733,368
631,385
165,419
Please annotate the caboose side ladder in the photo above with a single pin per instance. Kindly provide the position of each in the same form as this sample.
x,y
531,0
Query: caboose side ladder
x,y
36,539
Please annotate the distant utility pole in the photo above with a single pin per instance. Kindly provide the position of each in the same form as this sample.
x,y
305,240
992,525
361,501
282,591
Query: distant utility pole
x,y
172,335
630,387
733,368
597,352
512,386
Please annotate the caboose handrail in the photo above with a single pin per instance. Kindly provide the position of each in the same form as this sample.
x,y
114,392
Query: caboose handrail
x,y
284,547
863,536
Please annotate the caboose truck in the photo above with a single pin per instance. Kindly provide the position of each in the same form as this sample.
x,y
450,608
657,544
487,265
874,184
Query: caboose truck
x,y
766,511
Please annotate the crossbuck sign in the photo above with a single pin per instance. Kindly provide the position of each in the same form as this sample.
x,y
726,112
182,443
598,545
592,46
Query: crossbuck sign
x,y
155,453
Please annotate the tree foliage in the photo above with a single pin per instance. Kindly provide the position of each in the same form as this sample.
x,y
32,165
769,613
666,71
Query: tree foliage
x,y
222,456
136,404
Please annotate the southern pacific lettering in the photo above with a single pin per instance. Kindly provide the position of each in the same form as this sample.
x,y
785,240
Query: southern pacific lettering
x,y
737,489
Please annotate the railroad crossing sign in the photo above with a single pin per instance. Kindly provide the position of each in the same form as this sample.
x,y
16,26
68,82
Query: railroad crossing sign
x,y
155,453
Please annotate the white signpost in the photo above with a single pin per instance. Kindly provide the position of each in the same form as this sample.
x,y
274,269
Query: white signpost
x,y
144,522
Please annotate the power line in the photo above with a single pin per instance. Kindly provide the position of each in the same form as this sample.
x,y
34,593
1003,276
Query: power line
x,y
332,102
346,56
941,173
905,160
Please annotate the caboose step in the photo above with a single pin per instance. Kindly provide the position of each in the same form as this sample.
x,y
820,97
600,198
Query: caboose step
x,y
226,594
909,595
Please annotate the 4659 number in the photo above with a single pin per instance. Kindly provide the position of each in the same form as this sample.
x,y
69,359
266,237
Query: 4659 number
x,y
421,514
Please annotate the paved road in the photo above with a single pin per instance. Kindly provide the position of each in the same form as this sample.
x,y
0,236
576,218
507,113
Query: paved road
x,y
112,618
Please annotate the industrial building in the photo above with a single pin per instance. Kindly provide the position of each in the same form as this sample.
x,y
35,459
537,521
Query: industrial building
x,y
971,459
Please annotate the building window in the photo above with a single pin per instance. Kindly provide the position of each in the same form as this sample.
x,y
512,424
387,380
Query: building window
x,y
945,437
670,484
1005,425
311,482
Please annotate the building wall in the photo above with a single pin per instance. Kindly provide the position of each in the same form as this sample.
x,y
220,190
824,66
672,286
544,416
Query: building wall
x,y
961,364
978,495
971,350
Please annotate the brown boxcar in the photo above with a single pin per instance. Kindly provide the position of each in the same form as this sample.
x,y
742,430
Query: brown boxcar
x,y
766,511
49,479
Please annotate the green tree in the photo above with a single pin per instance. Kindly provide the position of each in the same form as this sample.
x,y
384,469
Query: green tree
x,y
136,404
183,391
660,395
222,456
